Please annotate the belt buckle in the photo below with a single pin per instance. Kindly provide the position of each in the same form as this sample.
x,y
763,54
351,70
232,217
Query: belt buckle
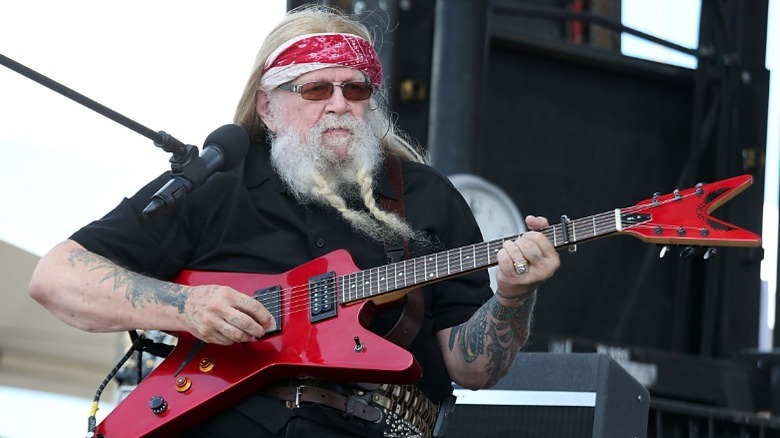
x,y
297,403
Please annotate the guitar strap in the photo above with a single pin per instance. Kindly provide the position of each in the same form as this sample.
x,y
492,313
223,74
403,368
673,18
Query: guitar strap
x,y
408,325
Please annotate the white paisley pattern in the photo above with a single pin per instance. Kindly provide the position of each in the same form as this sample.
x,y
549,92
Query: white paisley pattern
x,y
311,52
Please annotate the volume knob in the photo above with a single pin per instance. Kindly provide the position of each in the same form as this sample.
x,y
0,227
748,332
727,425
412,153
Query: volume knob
x,y
158,405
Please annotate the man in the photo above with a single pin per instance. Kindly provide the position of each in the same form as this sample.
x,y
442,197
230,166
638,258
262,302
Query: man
x,y
313,181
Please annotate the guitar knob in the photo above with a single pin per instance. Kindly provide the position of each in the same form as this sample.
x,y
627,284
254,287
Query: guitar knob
x,y
686,252
664,250
709,253
158,405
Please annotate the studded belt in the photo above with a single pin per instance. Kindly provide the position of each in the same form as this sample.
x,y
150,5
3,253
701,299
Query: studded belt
x,y
400,410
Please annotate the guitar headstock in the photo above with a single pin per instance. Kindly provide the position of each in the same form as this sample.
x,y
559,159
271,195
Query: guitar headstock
x,y
683,216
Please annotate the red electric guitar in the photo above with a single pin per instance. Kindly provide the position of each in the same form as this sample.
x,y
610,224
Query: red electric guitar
x,y
322,308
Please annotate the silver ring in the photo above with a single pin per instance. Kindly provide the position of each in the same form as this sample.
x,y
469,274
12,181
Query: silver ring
x,y
522,267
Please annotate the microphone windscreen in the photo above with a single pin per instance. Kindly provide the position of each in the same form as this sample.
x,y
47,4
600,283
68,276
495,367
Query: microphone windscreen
x,y
233,141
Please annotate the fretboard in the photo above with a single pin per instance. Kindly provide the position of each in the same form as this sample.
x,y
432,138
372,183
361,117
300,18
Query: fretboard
x,y
439,266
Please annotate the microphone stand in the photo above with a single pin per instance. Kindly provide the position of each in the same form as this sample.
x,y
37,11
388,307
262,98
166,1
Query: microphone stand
x,y
183,154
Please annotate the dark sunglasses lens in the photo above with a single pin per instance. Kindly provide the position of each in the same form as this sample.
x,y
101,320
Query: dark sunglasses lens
x,y
317,90
357,90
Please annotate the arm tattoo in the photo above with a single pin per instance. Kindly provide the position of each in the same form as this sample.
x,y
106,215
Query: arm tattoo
x,y
139,289
472,335
495,330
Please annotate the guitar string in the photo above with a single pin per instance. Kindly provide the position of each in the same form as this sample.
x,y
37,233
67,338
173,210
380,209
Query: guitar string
x,y
480,251
589,227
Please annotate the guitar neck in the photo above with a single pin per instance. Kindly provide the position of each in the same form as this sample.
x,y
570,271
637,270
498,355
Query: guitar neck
x,y
436,267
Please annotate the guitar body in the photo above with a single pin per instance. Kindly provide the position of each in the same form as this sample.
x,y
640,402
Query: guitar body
x,y
197,380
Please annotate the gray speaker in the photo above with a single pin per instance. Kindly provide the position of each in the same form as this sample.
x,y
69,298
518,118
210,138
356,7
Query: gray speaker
x,y
568,395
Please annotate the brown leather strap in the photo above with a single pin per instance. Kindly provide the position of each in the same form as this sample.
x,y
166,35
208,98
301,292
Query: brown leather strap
x,y
408,325
295,395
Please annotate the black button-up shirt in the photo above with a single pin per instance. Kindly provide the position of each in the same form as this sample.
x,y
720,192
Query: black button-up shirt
x,y
244,220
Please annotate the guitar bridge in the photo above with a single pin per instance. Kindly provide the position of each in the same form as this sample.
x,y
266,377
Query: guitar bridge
x,y
322,297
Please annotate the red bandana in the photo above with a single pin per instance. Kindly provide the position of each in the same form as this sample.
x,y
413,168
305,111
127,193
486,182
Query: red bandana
x,y
315,51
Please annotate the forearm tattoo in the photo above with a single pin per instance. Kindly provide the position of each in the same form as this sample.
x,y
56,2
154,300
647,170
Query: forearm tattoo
x,y
496,331
138,288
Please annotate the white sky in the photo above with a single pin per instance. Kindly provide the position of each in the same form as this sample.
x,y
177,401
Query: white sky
x,y
175,65
178,66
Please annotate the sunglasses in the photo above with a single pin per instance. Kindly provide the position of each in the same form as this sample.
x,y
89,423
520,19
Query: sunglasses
x,y
323,90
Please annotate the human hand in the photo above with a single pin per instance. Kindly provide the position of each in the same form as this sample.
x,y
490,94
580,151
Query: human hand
x,y
222,315
525,262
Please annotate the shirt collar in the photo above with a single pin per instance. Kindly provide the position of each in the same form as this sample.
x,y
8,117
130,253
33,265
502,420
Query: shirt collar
x,y
258,168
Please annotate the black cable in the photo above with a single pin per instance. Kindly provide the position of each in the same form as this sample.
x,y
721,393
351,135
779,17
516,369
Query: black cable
x,y
92,420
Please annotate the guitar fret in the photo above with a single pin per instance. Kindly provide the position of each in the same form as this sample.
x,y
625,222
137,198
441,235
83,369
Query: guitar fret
x,y
573,237
353,287
360,287
345,284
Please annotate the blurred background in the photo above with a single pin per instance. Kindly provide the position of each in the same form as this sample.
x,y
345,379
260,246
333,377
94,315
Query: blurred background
x,y
561,106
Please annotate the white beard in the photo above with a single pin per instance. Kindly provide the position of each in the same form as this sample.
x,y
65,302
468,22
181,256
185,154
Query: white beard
x,y
314,173
301,162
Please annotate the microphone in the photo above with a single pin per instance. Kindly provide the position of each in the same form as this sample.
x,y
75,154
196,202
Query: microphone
x,y
223,150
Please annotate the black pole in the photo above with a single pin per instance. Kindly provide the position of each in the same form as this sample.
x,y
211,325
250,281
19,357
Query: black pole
x,y
457,83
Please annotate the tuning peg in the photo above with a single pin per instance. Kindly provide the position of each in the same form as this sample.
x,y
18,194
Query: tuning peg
x,y
686,252
710,252
664,250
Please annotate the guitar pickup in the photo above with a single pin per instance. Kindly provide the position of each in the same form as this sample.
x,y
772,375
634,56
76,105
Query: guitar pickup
x,y
271,299
322,296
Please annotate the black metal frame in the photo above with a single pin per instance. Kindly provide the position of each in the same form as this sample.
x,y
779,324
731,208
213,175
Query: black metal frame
x,y
727,137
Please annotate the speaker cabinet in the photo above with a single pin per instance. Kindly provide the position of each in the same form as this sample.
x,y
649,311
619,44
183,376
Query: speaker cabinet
x,y
555,395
